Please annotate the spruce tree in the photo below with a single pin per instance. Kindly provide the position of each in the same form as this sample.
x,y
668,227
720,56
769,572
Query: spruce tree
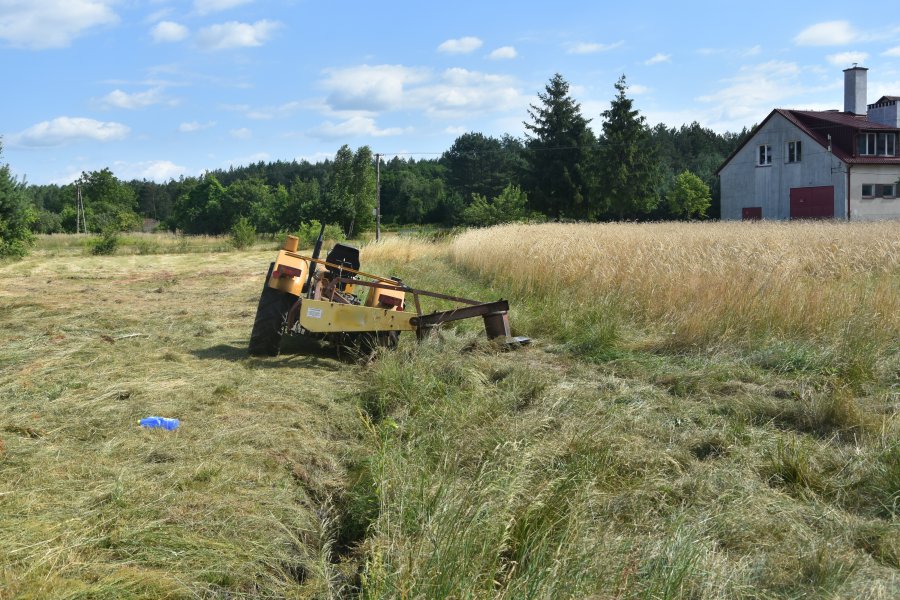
x,y
559,151
627,166
16,215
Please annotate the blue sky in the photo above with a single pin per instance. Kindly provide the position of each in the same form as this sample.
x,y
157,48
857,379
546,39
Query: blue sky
x,y
161,88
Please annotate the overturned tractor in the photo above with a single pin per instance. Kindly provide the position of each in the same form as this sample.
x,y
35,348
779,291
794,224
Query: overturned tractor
x,y
333,300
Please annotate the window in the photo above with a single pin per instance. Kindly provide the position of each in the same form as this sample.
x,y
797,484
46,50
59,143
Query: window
x,y
887,144
793,152
879,190
866,144
765,155
877,144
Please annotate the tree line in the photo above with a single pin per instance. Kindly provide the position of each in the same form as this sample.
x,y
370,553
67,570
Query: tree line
x,y
560,170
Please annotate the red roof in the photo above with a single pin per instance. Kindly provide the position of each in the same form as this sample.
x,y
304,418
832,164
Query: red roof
x,y
830,128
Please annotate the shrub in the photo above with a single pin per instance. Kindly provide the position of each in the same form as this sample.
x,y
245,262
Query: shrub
x,y
106,244
309,232
509,206
243,233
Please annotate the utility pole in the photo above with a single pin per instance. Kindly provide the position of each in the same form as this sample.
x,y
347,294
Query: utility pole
x,y
377,197
80,218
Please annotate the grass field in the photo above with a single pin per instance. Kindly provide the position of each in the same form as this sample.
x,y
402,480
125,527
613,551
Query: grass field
x,y
707,411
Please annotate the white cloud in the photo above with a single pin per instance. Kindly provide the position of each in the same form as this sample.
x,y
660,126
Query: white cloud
x,y
169,31
119,99
236,35
193,126
503,53
846,59
829,33
895,51
241,134
635,89
40,24
755,90
370,88
591,47
153,170
659,57
754,51
367,90
353,127
462,45
274,112
460,92
456,129
63,130
204,7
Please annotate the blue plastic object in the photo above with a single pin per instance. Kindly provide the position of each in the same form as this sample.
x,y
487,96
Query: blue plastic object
x,y
160,423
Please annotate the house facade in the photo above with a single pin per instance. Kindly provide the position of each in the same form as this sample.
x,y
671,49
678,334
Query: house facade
x,y
819,164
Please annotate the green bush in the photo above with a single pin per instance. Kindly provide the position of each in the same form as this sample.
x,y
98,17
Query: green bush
x,y
243,233
309,232
511,205
106,244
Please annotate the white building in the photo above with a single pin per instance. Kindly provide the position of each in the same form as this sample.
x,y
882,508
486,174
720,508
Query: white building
x,y
819,164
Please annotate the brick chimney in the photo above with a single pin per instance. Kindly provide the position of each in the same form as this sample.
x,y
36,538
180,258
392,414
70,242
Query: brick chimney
x,y
855,90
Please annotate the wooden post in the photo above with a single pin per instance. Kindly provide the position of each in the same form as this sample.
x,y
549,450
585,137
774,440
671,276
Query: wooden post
x,y
377,197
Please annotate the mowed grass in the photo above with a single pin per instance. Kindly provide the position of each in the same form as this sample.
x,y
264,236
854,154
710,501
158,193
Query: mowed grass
x,y
629,452
238,502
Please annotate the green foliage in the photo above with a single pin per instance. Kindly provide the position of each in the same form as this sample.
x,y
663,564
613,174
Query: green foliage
x,y
689,197
108,203
350,195
201,209
511,205
309,232
250,199
47,222
560,156
243,233
484,165
628,171
16,215
106,243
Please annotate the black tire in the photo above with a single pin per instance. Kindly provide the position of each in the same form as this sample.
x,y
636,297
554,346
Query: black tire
x,y
271,312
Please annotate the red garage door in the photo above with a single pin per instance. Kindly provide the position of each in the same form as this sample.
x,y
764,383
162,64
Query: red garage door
x,y
812,202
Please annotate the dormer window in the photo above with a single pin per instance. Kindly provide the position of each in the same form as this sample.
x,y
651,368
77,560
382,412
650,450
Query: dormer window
x,y
877,144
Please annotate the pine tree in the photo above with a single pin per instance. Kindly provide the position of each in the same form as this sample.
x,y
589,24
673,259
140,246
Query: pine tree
x,y
16,215
628,171
559,151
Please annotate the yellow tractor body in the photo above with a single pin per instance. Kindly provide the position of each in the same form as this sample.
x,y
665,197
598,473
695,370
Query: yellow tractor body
x,y
305,295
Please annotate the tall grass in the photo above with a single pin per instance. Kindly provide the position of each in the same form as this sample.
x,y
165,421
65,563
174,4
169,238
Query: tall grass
x,y
830,288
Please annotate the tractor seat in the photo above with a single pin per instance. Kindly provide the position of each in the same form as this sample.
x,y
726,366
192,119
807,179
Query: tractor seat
x,y
347,257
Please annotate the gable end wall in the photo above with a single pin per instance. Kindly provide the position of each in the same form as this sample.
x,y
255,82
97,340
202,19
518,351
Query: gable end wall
x,y
745,184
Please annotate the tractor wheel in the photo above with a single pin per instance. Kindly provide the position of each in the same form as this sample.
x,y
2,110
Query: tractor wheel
x,y
273,307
